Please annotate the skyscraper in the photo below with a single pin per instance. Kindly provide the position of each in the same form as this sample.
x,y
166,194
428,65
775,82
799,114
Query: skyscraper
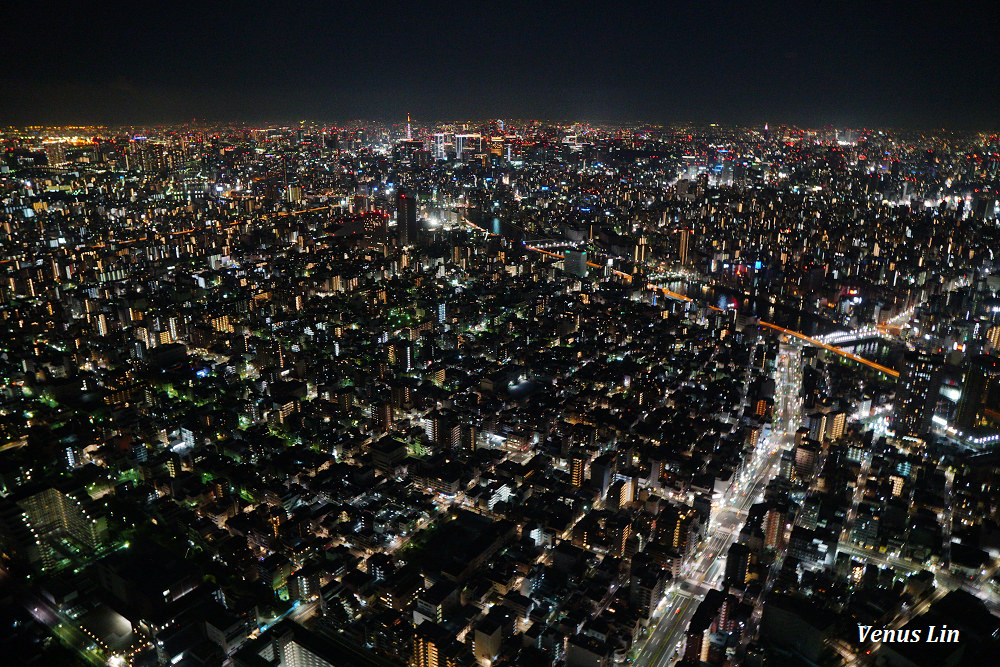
x,y
683,243
575,262
440,144
639,249
406,219
467,145
980,402
917,393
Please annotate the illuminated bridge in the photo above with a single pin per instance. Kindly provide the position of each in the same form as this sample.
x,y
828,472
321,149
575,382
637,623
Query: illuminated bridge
x,y
850,338
796,334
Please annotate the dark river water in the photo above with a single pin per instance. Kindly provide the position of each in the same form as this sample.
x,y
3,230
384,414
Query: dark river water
x,y
787,316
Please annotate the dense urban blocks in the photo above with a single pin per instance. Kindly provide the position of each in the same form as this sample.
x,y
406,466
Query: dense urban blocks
x,y
499,393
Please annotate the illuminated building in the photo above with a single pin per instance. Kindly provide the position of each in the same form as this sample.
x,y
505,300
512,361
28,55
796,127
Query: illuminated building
x,y
468,145
432,647
618,534
575,262
222,324
441,145
576,466
288,644
917,393
54,516
683,243
980,401
774,528
383,417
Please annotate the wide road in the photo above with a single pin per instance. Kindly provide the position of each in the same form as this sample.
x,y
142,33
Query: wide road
x,y
703,569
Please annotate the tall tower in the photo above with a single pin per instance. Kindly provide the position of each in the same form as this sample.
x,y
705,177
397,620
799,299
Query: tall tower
x,y
917,393
409,132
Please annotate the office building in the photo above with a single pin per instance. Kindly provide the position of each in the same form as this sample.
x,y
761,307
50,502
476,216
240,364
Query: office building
x,y
917,393
406,219
980,401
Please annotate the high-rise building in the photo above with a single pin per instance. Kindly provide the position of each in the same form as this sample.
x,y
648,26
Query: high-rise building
x,y
993,336
917,393
737,565
817,426
383,417
406,219
683,246
602,472
806,458
575,262
618,534
442,429
786,464
467,145
836,424
441,143
674,526
53,517
775,520
488,634
576,465
432,647
640,249
412,152
980,402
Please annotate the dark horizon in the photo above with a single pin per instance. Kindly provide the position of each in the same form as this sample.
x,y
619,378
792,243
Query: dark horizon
x,y
887,65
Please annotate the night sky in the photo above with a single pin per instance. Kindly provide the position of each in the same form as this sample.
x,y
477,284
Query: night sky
x,y
809,63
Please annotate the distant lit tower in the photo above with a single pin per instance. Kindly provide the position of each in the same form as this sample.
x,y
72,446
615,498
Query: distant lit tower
x,y
980,402
917,393
406,219
409,131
